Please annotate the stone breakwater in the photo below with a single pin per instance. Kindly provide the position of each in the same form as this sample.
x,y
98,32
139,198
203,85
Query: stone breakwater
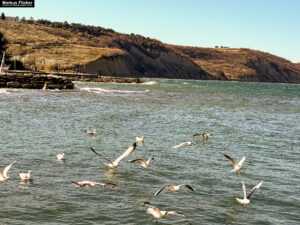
x,y
34,81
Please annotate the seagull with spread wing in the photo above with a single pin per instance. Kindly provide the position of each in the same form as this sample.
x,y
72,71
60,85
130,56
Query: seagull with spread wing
x,y
237,166
158,214
187,143
26,176
144,163
115,164
175,188
91,184
246,199
3,174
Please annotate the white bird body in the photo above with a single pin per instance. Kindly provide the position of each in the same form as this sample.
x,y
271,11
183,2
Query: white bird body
x,y
91,184
237,166
175,188
3,174
144,163
140,139
61,156
158,214
115,163
246,199
26,176
91,132
187,143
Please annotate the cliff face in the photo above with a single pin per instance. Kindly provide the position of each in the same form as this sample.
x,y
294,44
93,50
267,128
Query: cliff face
x,y
135,63
242,64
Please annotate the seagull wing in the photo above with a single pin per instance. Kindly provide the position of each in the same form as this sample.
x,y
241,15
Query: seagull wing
x,y
177,146
175,213
244,189
197,134
160,190
109,185
149,205
149,160
77,184
231,159
254,189
190,187
126,153
5,171
241,161
137,160
101,156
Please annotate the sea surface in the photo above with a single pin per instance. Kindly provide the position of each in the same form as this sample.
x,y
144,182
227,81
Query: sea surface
x,y
258,120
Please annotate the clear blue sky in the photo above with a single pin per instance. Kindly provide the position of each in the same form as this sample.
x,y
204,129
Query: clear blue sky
x,y
268,25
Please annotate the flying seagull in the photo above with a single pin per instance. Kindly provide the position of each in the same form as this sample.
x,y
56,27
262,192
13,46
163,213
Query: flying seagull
x,y
204,135
26,176
237,166
246,199
91,184
140,139
91,132
144,163
188,143
61,156
157,214
175,188
115,164
3,174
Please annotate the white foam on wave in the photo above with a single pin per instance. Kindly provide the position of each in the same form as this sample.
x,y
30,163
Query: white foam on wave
x,y
151,83
106,91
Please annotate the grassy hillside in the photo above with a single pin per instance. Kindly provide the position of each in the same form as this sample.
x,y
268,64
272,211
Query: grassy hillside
x,y
55,45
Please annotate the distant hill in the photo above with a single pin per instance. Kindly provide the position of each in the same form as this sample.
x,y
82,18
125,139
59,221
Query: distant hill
x,y
51,46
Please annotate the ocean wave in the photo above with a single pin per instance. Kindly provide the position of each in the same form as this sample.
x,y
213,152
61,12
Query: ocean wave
x,y
106,91
151,83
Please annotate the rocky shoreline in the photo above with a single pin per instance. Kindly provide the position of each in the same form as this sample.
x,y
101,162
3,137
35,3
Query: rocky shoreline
x,y
34,81
40,80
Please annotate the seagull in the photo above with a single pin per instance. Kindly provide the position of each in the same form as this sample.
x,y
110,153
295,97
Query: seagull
x,y
188,143
91,184
140,139
91,132
175,188
26,176
3,174
61,156
115,164
246,199
144,163
157,214
204,135
237,166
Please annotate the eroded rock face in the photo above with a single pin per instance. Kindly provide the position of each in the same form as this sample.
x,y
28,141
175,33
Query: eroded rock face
x,y
33,81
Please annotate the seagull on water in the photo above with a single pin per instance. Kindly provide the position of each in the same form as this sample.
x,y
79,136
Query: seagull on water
x,y
144,163
91,184
3,174
204,136
61,156
187,143
158,214
246,199
115,164
26,176
237,166
140,139
91,132
175,188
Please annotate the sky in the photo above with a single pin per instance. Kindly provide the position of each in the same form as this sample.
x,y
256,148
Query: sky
x,y
267,25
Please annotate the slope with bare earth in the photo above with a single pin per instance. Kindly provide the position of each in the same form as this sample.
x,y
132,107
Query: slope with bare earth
x,y
50,46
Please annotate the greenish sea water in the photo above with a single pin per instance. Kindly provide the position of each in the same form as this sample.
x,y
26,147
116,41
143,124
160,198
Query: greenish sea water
x,y
258,120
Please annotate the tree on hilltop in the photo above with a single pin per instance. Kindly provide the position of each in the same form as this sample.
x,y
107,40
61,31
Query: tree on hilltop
x,y
2,16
